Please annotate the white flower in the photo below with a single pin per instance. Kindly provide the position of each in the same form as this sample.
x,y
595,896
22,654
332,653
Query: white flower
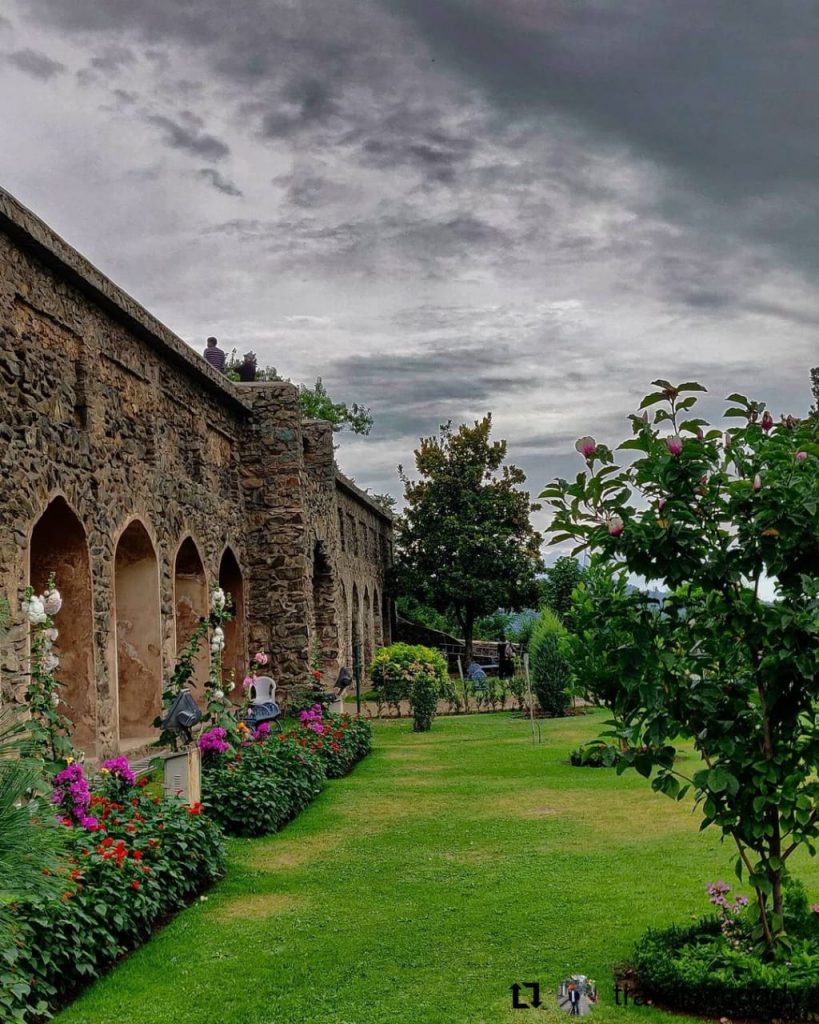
x,y
51,663
53,602
52,634
217,601
232,687
55,698
217,642
218,694
34,610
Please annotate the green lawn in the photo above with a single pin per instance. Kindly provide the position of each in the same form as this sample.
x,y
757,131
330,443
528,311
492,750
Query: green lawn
x,y
446,867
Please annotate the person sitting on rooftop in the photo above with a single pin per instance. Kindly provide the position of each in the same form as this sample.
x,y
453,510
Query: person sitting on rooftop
x,y
214,355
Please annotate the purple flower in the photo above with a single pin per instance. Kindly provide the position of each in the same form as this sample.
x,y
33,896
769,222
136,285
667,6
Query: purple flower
x,y
262,731
71,793
801,456
119,768
213,741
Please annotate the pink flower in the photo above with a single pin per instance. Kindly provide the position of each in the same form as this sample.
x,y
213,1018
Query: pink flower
x,y
801,456
815,908
260,658
586,446
247,682
757,485
615,526
767,421
674,444
661,504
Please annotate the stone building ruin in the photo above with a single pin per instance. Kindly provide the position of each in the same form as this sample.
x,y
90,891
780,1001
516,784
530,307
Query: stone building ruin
x,y
141,477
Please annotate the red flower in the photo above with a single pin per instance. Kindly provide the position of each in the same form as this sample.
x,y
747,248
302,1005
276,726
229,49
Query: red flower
x,y
195,809
108,841
137,854
143,782
75,874
134,884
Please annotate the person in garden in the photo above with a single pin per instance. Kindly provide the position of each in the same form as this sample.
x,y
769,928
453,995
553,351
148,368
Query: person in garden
x,y
215,355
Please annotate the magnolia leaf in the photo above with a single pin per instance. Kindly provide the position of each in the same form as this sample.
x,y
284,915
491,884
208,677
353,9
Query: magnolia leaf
x,y
691,385
660,383
652,399
738,398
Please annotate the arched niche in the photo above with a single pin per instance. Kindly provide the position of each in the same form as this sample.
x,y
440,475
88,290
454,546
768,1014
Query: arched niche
x,y
378,622
138,633
235,655
59,546
386,620
355,627
367,624
325,622
344,625
190,585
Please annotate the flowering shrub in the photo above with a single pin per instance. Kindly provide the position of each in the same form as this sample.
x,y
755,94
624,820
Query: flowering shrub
x,y
49,729
312,718
72,796
413,673
711,967
144,858
214,741
258,787
339,740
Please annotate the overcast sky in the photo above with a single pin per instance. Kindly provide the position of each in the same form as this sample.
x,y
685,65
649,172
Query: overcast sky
x,y
443,207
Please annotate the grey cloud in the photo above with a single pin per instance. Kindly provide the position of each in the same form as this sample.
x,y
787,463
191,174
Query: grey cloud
x,y
308,102
189,138
113,59
38,65
220,183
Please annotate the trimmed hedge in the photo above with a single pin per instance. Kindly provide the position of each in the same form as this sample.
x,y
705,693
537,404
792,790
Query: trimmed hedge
x,y
596,754
414,673
695,969
146,858
343,744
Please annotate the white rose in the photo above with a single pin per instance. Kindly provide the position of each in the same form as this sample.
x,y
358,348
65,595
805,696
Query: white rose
x,y
53,602
34,610
217,601
51,663
55,698
218,694
52,634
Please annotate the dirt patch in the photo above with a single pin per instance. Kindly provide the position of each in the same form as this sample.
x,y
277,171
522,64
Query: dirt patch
x,y
261,905
286,853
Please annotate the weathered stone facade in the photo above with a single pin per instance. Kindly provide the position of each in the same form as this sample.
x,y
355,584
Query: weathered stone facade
x,y
141,476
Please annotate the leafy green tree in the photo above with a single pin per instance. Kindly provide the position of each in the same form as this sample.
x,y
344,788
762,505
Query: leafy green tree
x,y
711,516
465,543
814,387
557,586
492,626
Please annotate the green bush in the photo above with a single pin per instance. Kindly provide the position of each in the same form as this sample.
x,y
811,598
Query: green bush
x,y
259,787
548,665
147,857
696,969
597,754
413,673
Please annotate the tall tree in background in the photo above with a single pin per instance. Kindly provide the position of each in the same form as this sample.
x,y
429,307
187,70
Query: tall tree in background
x,y
561,579
814,386
465,542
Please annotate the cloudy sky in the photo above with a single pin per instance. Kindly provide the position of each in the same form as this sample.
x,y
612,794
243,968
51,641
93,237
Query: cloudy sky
x,y
443,207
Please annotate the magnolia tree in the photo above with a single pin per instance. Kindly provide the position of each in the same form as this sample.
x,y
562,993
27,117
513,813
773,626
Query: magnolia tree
x,y
716,518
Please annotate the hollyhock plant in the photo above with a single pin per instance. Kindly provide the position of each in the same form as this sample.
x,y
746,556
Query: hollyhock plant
x,y
740,518
260,658
52,602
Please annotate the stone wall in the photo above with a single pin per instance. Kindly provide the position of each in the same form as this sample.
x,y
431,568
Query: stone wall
x,y
141,476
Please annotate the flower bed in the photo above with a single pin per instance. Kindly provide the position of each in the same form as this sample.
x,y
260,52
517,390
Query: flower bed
x,y
712,967
258,784
134,859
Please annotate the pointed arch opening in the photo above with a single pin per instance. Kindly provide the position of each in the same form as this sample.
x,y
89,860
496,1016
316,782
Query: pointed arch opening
x,y
234,656
325,623
378,623
138,634
355,627
59,546
367,624
190,586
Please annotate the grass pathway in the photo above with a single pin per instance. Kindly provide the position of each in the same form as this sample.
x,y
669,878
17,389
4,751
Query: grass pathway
x,y
446,867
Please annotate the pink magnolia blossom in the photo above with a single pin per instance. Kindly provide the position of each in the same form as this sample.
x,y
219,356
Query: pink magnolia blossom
x,y
615,526
767,421
674,444
260,658
757,483
586,446
801,456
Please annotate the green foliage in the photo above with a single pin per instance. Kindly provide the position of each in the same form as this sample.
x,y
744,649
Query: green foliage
x,y
465,543
414,673
425,615
493,626
596,754
549,667
317,404
559,582
261,786
710,516
695,968
150,857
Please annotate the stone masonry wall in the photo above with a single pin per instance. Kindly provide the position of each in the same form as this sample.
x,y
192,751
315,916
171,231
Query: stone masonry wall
x,y
117,444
